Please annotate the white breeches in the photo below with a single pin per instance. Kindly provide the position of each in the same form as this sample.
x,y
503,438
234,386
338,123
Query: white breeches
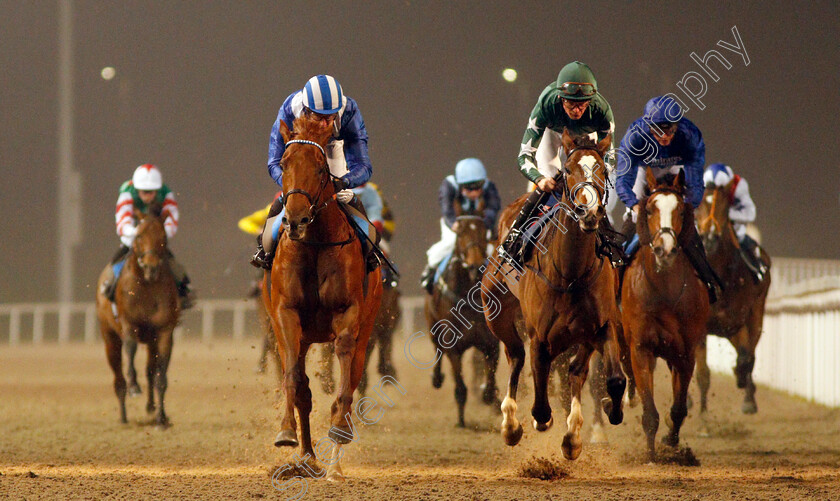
x,y
438,251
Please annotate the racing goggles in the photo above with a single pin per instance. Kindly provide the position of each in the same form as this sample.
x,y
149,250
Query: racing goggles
x,y
667,128
578,89
473,186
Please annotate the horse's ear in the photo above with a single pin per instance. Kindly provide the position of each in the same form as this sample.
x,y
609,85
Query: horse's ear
x,y
567,141
604,144
155,209
679,181
285,132
650,178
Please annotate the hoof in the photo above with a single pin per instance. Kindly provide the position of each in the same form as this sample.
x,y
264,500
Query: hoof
x,y
704,432
512,437
341,434
543,426
260,369
162,424
335,477
134,390
437,380
631,401
572,446
671,441
286,438
749,408
615,414
150,408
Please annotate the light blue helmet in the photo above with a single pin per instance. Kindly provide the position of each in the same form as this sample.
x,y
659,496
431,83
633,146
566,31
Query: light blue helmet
x,y
470,170
718,174
322,94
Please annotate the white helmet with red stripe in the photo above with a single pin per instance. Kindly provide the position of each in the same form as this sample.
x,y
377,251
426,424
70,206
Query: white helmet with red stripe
x,y
147,178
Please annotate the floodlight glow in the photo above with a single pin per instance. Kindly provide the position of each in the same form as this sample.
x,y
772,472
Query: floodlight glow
x,y
509,74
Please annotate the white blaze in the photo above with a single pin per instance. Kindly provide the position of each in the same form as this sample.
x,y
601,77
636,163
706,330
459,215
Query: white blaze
x,y
666,205
588,164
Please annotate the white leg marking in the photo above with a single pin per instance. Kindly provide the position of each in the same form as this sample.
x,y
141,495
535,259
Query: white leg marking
x,y
509,408
575,419
334,473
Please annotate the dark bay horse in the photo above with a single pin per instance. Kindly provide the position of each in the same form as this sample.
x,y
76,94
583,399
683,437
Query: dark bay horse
x,y
664,305
447,307
320,291
566,294
147,311
739,315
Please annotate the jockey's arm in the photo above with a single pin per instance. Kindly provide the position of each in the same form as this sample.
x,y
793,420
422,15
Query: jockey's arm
x,y
693,168
743,208
627,168
527,158
355,137
170,225
446,198
492,205
276,146
124,217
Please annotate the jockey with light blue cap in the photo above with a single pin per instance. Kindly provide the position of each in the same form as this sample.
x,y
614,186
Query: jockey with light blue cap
x,y
322,98
741,212
467,188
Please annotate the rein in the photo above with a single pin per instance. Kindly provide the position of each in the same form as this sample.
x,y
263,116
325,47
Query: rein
x,y
313,208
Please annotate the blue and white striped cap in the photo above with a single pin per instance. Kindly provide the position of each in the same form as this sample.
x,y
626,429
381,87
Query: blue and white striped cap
x,y
322,94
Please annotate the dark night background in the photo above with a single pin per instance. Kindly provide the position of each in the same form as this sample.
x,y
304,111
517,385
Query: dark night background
x,y
198,85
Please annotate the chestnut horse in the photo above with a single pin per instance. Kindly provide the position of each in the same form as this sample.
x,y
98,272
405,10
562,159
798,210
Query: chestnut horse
x,y
739,315
566,294
147,311
319,291
664,305
447,306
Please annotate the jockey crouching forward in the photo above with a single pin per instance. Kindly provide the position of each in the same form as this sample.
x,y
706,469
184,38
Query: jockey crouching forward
x,y
572,102
144,188
347,154
667,143
469,189
741,212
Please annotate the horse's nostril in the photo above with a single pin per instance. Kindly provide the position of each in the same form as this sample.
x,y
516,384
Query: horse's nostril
x,y
284,220
658,251
305,220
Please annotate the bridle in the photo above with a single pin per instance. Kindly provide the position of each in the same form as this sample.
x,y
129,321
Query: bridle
x,y
313,208
665,231
572,193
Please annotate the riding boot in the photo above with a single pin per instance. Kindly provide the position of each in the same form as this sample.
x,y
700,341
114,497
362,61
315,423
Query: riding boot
x,y
610,243
511,248
751,254
182,282
696,254
262,258
427,278
109,285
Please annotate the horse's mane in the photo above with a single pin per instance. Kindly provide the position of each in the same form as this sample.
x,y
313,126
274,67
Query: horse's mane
x,y
155,208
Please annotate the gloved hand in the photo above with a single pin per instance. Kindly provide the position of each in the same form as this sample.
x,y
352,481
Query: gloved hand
x,y
339,184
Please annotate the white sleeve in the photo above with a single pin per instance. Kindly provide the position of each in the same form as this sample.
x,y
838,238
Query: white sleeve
x,y
743,208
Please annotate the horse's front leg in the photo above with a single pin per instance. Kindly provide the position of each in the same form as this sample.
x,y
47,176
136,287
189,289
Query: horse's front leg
x,y
130,344
598,390
287,330
616,382
681,372
303,402
578,370
345,325
164,353
151,370
540,368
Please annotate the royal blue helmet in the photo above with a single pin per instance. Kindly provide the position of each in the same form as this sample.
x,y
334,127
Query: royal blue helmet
x,y
470,170
663,110
322,94
718,174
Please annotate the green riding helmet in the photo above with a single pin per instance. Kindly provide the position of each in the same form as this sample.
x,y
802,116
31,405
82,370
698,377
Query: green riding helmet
x,y
576,82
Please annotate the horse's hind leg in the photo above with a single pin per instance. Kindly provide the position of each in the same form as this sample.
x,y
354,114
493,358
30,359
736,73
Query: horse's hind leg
x,y
130,351
364,380
643,364
680,379
540,367
503,326
578,370
490,395
164,353
303,403
703,376
351,358
113,350
597,388
327,378
755,322
616,382
460,388
151,367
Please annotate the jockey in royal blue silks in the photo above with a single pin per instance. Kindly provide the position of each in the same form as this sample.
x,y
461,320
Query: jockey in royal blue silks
x,y
468,187
667,143
741,212
321,98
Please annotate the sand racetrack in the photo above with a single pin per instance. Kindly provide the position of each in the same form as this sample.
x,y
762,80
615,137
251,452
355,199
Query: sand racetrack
x,y
61,439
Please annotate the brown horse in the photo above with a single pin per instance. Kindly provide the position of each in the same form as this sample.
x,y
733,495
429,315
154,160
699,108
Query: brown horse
x,y
739,315
319,290
147,311
566,294
447,312
664,305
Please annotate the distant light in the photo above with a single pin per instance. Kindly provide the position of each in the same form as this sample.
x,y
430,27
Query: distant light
x,y
108,73
509,74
